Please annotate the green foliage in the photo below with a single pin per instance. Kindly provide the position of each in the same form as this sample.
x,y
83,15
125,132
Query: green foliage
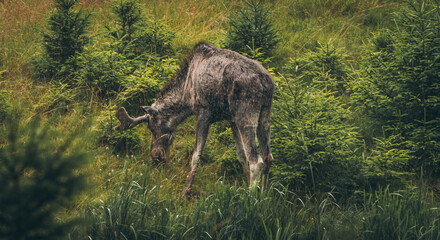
x,y
5,106
111,75
59,98
312,141
222,144
140,89
39,176
406,214
399,83
142,210
257,54
64,39
128,18
130,66
102,71
324,68
252,28
134,211
156,38
237,213
387,163
318,121
125,142
136,35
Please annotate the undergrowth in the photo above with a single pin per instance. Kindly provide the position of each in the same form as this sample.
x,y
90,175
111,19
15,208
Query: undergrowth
x,y
342,171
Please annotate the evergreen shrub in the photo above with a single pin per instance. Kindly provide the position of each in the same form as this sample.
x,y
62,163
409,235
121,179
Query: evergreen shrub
x,y
313,142
64,39
252,28
101,71
137,35
40,173
399,84
131,64
323,68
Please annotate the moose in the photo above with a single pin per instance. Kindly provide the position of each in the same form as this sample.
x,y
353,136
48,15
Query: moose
x,y
213,84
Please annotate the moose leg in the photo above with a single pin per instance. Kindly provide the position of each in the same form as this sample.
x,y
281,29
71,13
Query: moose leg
x,y
247,122
263,134
249,142
240,152
201,135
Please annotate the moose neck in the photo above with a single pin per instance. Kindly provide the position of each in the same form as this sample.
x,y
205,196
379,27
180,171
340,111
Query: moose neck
x,y
172,102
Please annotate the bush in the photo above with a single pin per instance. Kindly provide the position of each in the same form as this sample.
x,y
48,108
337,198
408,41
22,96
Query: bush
x,y
313,142
39,176
140,88
135,35
156,38
223,149
324,68
128,18
64,39
398,86
252,28
386,163
131,64
102,71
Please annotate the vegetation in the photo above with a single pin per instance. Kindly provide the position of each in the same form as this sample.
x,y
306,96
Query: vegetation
x,y
38,178
251,28
64,39
355,120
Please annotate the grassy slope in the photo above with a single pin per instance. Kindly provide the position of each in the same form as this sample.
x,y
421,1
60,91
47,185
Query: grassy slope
x,y
302,24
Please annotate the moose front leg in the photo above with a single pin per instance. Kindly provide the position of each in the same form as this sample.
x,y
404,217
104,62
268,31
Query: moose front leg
x,y
201,135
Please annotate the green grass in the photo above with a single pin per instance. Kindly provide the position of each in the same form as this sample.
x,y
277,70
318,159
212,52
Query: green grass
x,y
130,199
142,208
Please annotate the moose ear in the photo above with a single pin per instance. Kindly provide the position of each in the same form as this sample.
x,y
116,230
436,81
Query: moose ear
x,y
149,110
170,139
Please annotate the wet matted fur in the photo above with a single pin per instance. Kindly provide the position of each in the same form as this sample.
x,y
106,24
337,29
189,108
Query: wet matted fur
x,y
214,84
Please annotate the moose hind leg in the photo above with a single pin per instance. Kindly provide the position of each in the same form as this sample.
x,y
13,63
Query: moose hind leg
x,y
263,134
201,135
240,152
248,139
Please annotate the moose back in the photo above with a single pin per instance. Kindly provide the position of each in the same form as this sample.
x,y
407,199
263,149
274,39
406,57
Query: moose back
x,y
213,84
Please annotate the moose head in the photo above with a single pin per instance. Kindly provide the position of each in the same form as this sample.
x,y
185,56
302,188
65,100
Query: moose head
x,y
162,134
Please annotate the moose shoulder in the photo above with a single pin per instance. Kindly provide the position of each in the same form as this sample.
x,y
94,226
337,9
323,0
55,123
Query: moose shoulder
x,y
213,84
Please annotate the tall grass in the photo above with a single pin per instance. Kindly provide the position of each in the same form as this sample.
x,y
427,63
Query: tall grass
x,y
124,205
141,209
406,214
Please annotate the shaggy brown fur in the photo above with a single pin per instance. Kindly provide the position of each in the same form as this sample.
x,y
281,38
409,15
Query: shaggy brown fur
x,y
214,84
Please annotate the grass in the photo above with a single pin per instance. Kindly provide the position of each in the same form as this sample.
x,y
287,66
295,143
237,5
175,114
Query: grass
x,y
130,199
402,215
142,208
